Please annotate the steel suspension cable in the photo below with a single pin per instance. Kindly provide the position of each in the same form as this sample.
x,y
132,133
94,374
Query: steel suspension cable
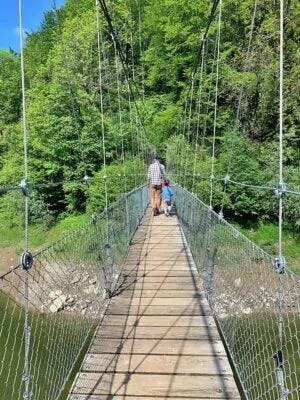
x,y
199,105
74,105
26,260
105,177
281,265
237,116
215,105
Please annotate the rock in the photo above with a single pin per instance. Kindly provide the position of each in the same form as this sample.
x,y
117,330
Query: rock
x,y
76,279
83,312
70,300
53,308
89,289
237,282
52,295
59,303
93,281
58,293
247,310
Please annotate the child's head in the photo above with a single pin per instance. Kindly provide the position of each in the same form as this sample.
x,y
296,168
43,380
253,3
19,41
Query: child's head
x,y
166,182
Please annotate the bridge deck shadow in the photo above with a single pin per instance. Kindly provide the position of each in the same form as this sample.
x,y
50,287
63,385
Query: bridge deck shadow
x,y
158,339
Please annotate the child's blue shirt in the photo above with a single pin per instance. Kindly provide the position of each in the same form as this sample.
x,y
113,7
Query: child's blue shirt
x,y
167,193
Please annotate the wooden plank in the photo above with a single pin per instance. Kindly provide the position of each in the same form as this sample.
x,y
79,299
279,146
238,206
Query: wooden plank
x,y
158,339
125,397
156,385
143,285
159,310
157,272
158,320
153,346
156,364
160,263
158,332
196,302
158,279
157,293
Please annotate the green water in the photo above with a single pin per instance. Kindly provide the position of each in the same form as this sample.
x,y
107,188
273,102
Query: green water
x,y
55,343
253,344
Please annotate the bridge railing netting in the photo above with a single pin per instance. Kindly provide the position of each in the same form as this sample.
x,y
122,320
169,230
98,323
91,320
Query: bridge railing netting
x,y
67,286
256,308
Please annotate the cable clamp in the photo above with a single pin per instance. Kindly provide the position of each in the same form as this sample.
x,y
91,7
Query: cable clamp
x,y
226,179
221,215
27,395
212,177
94,218
26,187
26,260
280,190
280,264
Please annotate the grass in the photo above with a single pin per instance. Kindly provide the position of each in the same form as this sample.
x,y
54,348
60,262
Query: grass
x,y
12,238
266,236
55,343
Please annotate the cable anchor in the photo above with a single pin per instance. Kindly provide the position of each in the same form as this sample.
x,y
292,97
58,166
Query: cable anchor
x,y
280,264
280,190
26,187
26,260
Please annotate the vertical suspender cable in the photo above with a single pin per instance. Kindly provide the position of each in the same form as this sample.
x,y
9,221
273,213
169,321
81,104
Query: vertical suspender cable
x,y
281,124
198,112
26,257
101,107
283,393
216,107
238,111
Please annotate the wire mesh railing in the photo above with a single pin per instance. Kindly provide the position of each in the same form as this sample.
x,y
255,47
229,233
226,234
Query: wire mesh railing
x,y
255,305
65,290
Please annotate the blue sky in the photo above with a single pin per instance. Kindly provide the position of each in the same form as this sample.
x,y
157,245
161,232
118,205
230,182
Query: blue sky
x,y
32,16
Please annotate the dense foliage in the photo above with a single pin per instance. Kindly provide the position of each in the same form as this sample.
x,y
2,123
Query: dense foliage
x,y
160,41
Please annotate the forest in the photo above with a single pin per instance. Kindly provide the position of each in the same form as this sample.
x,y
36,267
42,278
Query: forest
x,y
160,41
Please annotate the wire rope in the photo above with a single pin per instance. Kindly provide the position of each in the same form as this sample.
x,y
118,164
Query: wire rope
x,y
215,105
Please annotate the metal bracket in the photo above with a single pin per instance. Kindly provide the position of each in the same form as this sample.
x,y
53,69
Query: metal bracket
x,y
26,187
26,260
280,264
281,189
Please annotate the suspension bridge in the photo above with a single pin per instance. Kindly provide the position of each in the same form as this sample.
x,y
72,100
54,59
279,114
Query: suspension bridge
x,y
132,306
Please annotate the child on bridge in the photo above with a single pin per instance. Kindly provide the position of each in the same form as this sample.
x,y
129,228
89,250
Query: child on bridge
x,y
167,194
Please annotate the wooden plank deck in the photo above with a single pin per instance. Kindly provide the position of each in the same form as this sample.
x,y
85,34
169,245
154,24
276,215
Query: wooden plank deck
x,y
158,339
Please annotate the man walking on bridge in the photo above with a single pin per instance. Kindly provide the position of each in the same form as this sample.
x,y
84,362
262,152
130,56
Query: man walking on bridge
x,y
156,174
